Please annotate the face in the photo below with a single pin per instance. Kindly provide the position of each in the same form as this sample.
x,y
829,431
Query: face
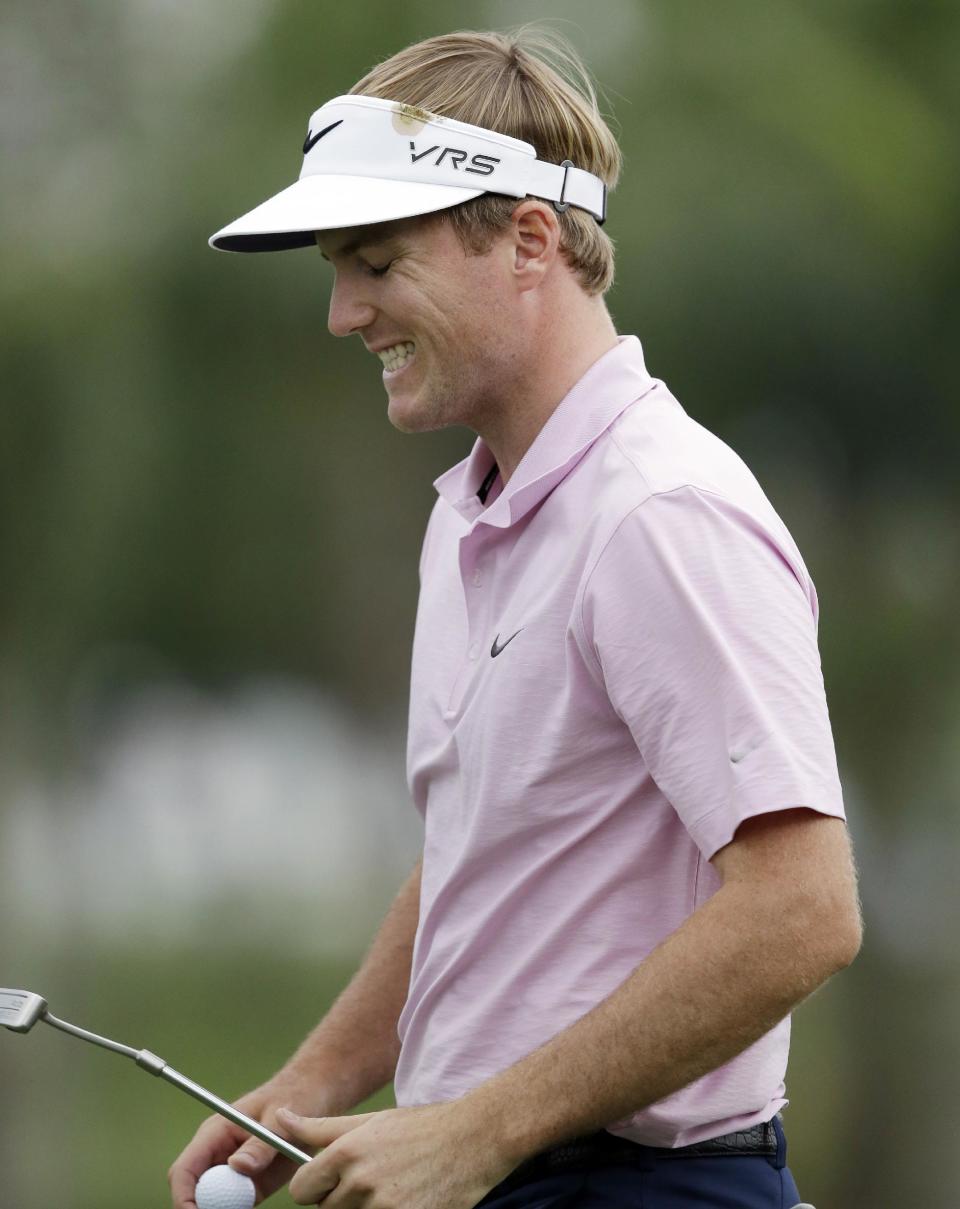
x,y
409,283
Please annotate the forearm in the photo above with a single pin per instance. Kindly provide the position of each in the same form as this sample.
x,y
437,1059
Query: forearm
x,y
353,1051
707,993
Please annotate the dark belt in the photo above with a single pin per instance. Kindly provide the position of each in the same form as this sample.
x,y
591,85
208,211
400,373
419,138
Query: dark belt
x,y
602,1148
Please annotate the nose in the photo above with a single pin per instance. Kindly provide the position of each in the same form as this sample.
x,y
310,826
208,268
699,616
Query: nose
x,y
349,311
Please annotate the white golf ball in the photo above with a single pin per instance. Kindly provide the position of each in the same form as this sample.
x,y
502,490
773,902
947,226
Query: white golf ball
x,y
224,1188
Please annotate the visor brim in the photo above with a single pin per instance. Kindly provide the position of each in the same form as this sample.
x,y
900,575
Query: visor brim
x,y
325,202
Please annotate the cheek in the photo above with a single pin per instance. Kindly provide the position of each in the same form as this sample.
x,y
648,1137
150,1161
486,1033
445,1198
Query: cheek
x,y
483,313
485,283
443,316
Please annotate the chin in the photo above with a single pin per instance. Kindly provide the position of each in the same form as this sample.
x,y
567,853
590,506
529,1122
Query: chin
x,y
408,417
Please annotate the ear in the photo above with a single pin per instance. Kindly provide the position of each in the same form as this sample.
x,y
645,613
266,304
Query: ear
x,y
534,241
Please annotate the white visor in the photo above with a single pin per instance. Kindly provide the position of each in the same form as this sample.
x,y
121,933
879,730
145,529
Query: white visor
x,y
367,160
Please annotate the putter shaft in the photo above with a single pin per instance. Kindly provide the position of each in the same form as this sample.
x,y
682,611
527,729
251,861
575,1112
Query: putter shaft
x,y
222,1107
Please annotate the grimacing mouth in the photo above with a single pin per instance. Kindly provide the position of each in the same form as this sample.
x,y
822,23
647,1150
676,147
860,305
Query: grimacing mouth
x,y
397,355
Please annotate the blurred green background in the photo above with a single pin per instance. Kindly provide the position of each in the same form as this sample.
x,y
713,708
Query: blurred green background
x,y
210,532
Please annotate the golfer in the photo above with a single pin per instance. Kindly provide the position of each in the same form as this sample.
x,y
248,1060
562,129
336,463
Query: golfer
x,y
635,859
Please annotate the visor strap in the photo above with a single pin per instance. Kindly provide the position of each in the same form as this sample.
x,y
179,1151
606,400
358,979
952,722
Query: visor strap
x,y
566,186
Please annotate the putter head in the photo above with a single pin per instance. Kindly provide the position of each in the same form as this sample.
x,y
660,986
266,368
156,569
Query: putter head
x,y
20,1010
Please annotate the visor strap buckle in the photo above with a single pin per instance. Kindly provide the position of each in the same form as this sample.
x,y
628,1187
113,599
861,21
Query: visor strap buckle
x,y
561,205
603,217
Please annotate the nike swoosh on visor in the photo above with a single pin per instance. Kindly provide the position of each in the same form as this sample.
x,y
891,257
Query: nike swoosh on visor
x,y
311,140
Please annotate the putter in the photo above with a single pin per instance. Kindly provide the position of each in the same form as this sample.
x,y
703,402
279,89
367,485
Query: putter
x,y
20,1011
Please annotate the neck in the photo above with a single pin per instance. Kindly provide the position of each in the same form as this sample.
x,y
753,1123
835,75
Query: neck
x,y
564,353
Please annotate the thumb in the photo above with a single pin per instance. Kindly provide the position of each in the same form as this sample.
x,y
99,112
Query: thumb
x,y
253,1156
320,1131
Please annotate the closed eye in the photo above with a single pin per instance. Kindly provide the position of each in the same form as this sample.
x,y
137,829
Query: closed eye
x,y
375,272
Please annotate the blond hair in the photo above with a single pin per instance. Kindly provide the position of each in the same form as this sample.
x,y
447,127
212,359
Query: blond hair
x,y
528,83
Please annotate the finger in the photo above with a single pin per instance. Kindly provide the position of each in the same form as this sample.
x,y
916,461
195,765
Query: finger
x,y
313,1182
320,1131
260,1160
183,1187
252,1157
210,1145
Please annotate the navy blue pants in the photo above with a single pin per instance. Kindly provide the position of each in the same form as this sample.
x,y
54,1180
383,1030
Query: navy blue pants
x,y
752,1181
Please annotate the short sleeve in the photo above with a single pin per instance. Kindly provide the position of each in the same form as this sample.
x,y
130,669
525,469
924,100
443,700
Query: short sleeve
x,y
703,621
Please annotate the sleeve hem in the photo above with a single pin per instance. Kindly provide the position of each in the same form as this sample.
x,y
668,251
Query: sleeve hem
x,y
716,829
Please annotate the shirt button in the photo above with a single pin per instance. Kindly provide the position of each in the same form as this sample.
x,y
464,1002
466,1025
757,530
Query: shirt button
x,y
477,578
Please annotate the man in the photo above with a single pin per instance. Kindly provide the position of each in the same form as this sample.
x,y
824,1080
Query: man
x,y
635,860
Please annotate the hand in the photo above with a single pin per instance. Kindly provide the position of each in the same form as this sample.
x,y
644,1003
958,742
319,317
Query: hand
x,y
218,1140
433,1157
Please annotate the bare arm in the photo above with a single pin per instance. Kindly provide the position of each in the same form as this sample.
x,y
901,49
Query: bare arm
x,y
785,920
351,1054
353,1051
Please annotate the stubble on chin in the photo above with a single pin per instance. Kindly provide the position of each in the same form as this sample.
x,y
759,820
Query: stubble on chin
x,y
421,416
429,411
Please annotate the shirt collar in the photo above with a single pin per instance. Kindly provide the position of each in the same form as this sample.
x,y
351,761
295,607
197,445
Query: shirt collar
x,y
611,384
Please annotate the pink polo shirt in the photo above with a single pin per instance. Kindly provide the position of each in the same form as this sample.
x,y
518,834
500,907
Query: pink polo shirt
x,y
615,664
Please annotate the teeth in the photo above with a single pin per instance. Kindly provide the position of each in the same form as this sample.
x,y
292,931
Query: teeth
x,y
397,356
